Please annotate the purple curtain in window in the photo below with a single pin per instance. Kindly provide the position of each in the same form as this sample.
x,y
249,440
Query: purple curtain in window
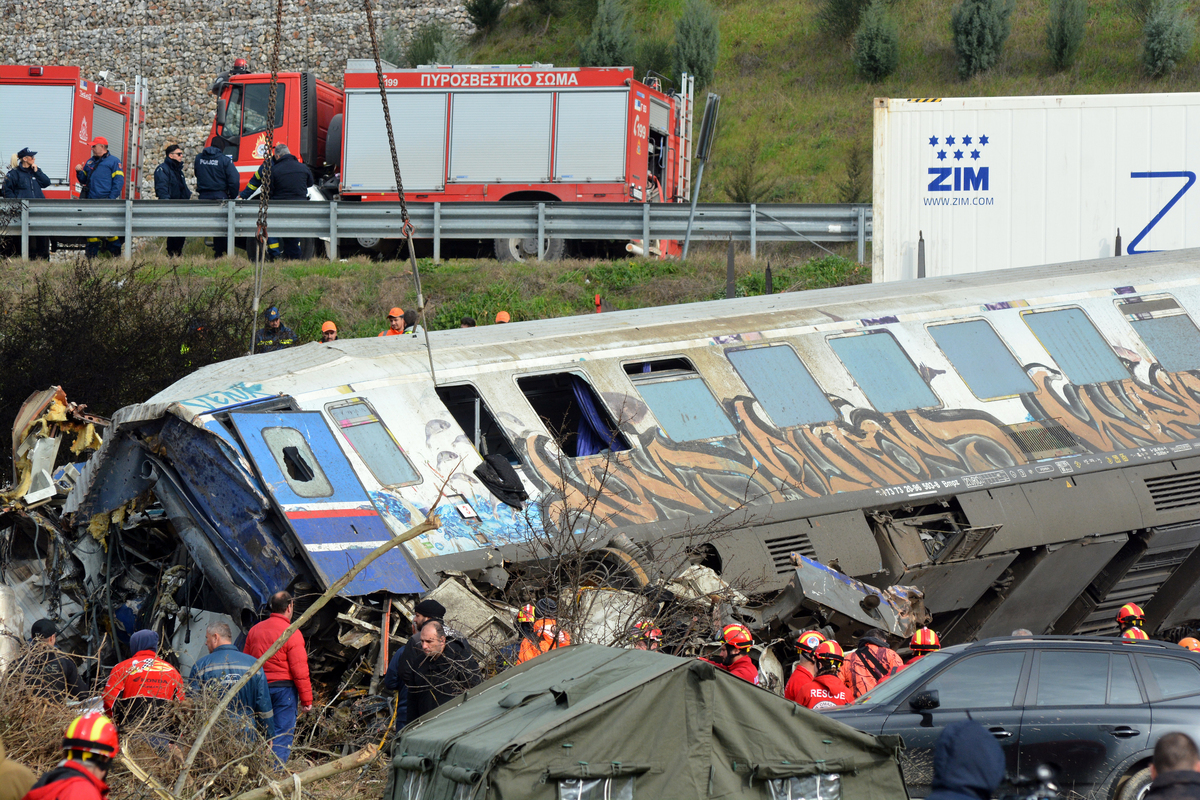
x,y
593,434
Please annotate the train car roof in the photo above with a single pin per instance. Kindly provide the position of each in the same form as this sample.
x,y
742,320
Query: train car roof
x,y
360,362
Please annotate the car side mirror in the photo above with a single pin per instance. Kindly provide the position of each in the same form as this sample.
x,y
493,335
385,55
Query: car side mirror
x,y
924,701
222,106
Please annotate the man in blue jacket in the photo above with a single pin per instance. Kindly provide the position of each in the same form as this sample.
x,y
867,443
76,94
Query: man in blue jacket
x,y
26,181
216,179
102,178
968,763
169,184
224,666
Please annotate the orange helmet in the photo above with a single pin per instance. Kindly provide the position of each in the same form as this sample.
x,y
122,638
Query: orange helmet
x,y
1190,643
737,636
91,736
808,641
646,630
925,641
1131,614
527,613
830,651
1135,634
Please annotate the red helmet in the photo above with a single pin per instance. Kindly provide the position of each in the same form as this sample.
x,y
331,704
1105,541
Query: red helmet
x,y
808,641
646,630
829,651
91,736
1136,634
737,636
1131,614
1190,643
527,613
925,641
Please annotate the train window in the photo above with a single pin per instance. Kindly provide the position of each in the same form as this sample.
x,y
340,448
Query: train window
x,y
572,413
782,385
373,442
685,408
473,416
1077,347
1166,329
884,372
989,369
296,461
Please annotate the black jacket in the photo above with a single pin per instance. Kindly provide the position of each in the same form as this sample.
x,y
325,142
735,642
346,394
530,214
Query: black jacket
x,y
1181,784
56,676
268,341
216,176
968,763
169,183
290,179
433,681
22,182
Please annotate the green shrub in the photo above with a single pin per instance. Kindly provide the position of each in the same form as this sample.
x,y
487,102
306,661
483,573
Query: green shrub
x,y
840,18
610,42
1064,31
876,43
391,49
747,183
432,43
980,28
653,54
546,8
697,39
484,14
1169,34
857,186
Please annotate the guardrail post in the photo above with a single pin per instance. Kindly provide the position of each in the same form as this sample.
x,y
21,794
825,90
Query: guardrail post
x,y
645,230
754,232
437,233
231,228
24,231
128,230
541,231
333,234
862,233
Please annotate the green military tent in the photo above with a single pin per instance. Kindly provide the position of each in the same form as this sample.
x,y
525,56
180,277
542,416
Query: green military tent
x,y
594,723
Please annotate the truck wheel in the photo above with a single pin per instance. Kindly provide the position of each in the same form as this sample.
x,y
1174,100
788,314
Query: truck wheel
x,y
517,249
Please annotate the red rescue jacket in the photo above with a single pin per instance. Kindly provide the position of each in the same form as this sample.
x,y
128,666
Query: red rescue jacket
x,y
290,663
742,666
800,678
70,780
144,675
824,692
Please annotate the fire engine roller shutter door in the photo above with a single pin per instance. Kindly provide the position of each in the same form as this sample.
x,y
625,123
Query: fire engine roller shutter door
x,y
39,117
111,125
590,144
419,124
500,136
660,116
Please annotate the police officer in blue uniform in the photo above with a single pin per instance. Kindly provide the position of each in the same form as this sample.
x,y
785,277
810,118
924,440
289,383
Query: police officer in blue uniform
x,y
216,179
169,184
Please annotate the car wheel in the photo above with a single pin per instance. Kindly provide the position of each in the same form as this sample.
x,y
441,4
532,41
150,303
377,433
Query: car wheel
x,y
1135,786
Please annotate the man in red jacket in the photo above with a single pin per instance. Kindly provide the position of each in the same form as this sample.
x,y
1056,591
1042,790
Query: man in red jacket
x,y
735,653
141,686
90,743
826,691
286,671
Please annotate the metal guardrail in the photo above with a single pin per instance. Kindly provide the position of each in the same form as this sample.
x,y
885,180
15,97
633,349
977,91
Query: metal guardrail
x,y
350,220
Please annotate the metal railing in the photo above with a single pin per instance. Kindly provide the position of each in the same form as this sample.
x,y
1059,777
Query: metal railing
x,y
352,220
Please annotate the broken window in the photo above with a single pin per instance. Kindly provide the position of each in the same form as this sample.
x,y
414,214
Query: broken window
x,y
981,358
685,408
808,787
1166,329
373,442
572,413
782,385
297,462
884,372
476,420
595,789
1076,346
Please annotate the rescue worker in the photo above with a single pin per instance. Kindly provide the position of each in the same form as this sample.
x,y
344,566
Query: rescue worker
x,y
54,673
870,663
395,322
25,181
90,743
502,317
288,680
216,179
826,690
645,636
289,181
169,184
544,632
924,642
142,685
329,331
222,668
1190,643
735,653
274,335
410,323
1135,634
805,668
1129,616
102,178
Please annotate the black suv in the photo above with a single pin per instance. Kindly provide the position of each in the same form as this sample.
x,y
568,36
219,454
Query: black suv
x,y
1092,707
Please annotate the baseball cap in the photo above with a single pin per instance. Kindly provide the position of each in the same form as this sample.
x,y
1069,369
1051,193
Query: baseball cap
x,y
503,317
272,313
26,153
328,326
43,629
396,312
100,140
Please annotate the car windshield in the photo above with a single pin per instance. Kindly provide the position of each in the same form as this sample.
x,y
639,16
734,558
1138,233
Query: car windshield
x,y
890,688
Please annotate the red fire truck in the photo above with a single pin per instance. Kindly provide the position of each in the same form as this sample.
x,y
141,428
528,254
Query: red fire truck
x,y
57,113
472,133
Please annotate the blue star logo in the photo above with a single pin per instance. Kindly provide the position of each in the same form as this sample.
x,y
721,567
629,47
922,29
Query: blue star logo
x,y
966,140
933,141
949,140
958,155
983,140
975,155
941,155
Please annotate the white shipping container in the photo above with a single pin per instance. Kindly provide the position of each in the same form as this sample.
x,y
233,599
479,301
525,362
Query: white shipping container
x,y
1000,182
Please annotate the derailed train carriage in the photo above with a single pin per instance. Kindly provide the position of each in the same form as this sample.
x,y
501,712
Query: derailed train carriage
x,y
1020,448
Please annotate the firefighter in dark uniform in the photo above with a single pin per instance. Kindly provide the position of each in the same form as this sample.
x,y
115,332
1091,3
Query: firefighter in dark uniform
x,y
216,179
102,178
169,184
289,181
275,335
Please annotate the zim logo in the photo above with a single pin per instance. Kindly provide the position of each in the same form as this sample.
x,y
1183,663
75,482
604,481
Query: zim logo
x,y
958,169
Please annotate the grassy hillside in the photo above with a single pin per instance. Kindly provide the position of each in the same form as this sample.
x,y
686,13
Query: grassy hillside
x,y
791,98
